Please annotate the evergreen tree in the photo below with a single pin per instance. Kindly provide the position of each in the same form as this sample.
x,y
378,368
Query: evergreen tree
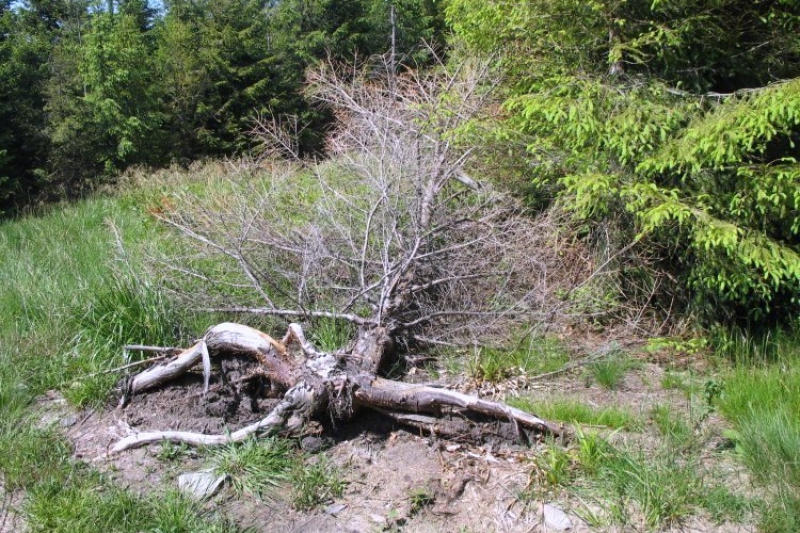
x,y
103,103
679,120
24,47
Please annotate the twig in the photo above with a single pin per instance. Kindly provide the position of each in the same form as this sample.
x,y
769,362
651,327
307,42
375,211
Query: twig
x,y
355,319
144,348
129,365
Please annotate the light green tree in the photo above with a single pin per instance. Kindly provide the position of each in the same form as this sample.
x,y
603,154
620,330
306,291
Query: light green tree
x,y
677,120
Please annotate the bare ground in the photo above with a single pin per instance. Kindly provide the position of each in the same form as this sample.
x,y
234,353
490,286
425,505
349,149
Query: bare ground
x,y
472,488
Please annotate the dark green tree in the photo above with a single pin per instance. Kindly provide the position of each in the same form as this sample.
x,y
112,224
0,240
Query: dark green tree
x,y
25,42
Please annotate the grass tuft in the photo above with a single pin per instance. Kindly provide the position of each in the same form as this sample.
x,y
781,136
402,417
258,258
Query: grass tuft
x,y
572,411
260,466
256,466
537,355
609,371
315,481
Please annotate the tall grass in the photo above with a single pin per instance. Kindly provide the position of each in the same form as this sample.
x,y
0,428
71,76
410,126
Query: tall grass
x,y
761,398
573,411
69,301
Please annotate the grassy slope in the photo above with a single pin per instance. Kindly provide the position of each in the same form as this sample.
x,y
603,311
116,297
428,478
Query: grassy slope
x,y
67,304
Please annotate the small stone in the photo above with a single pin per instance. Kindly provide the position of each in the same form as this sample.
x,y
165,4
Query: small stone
x,y
312,444
335,509
200,485
68,421
555,519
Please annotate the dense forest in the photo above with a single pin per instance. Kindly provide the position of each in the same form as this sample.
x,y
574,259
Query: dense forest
x,y
89,89
671,125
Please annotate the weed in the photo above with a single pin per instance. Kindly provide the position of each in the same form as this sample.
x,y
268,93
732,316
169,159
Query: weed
x,y
555,465
420,498
170,451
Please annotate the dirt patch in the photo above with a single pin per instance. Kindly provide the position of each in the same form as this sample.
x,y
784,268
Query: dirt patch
x,y
396,479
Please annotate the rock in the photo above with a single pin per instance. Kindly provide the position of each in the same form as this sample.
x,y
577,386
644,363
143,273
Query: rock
x,y
314,444
555,519
200,485
68,421
335,509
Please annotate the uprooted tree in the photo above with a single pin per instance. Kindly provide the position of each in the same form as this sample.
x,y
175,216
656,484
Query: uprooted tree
x,y
390,236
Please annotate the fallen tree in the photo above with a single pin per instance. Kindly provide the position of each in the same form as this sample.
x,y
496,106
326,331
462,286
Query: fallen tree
x,y
392,237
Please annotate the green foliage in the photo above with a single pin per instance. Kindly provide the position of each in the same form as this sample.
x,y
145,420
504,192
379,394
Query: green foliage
x,y
664,118
90,89
23,72
119,96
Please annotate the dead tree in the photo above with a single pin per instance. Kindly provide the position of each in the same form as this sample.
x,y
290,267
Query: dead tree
x,y
390,235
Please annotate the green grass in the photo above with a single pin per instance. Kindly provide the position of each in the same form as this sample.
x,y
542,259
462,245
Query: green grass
x,y
74,301
90,505
259,467
330,335
256,466
609,371
537,355
70,300
760,397
645,491
315,481
572,411
670,425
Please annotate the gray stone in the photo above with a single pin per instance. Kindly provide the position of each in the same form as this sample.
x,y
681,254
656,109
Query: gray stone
x,y
555,519
335,508
200,485
68,421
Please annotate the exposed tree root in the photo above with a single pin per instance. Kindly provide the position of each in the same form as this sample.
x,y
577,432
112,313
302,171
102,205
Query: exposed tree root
x,y
339,383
